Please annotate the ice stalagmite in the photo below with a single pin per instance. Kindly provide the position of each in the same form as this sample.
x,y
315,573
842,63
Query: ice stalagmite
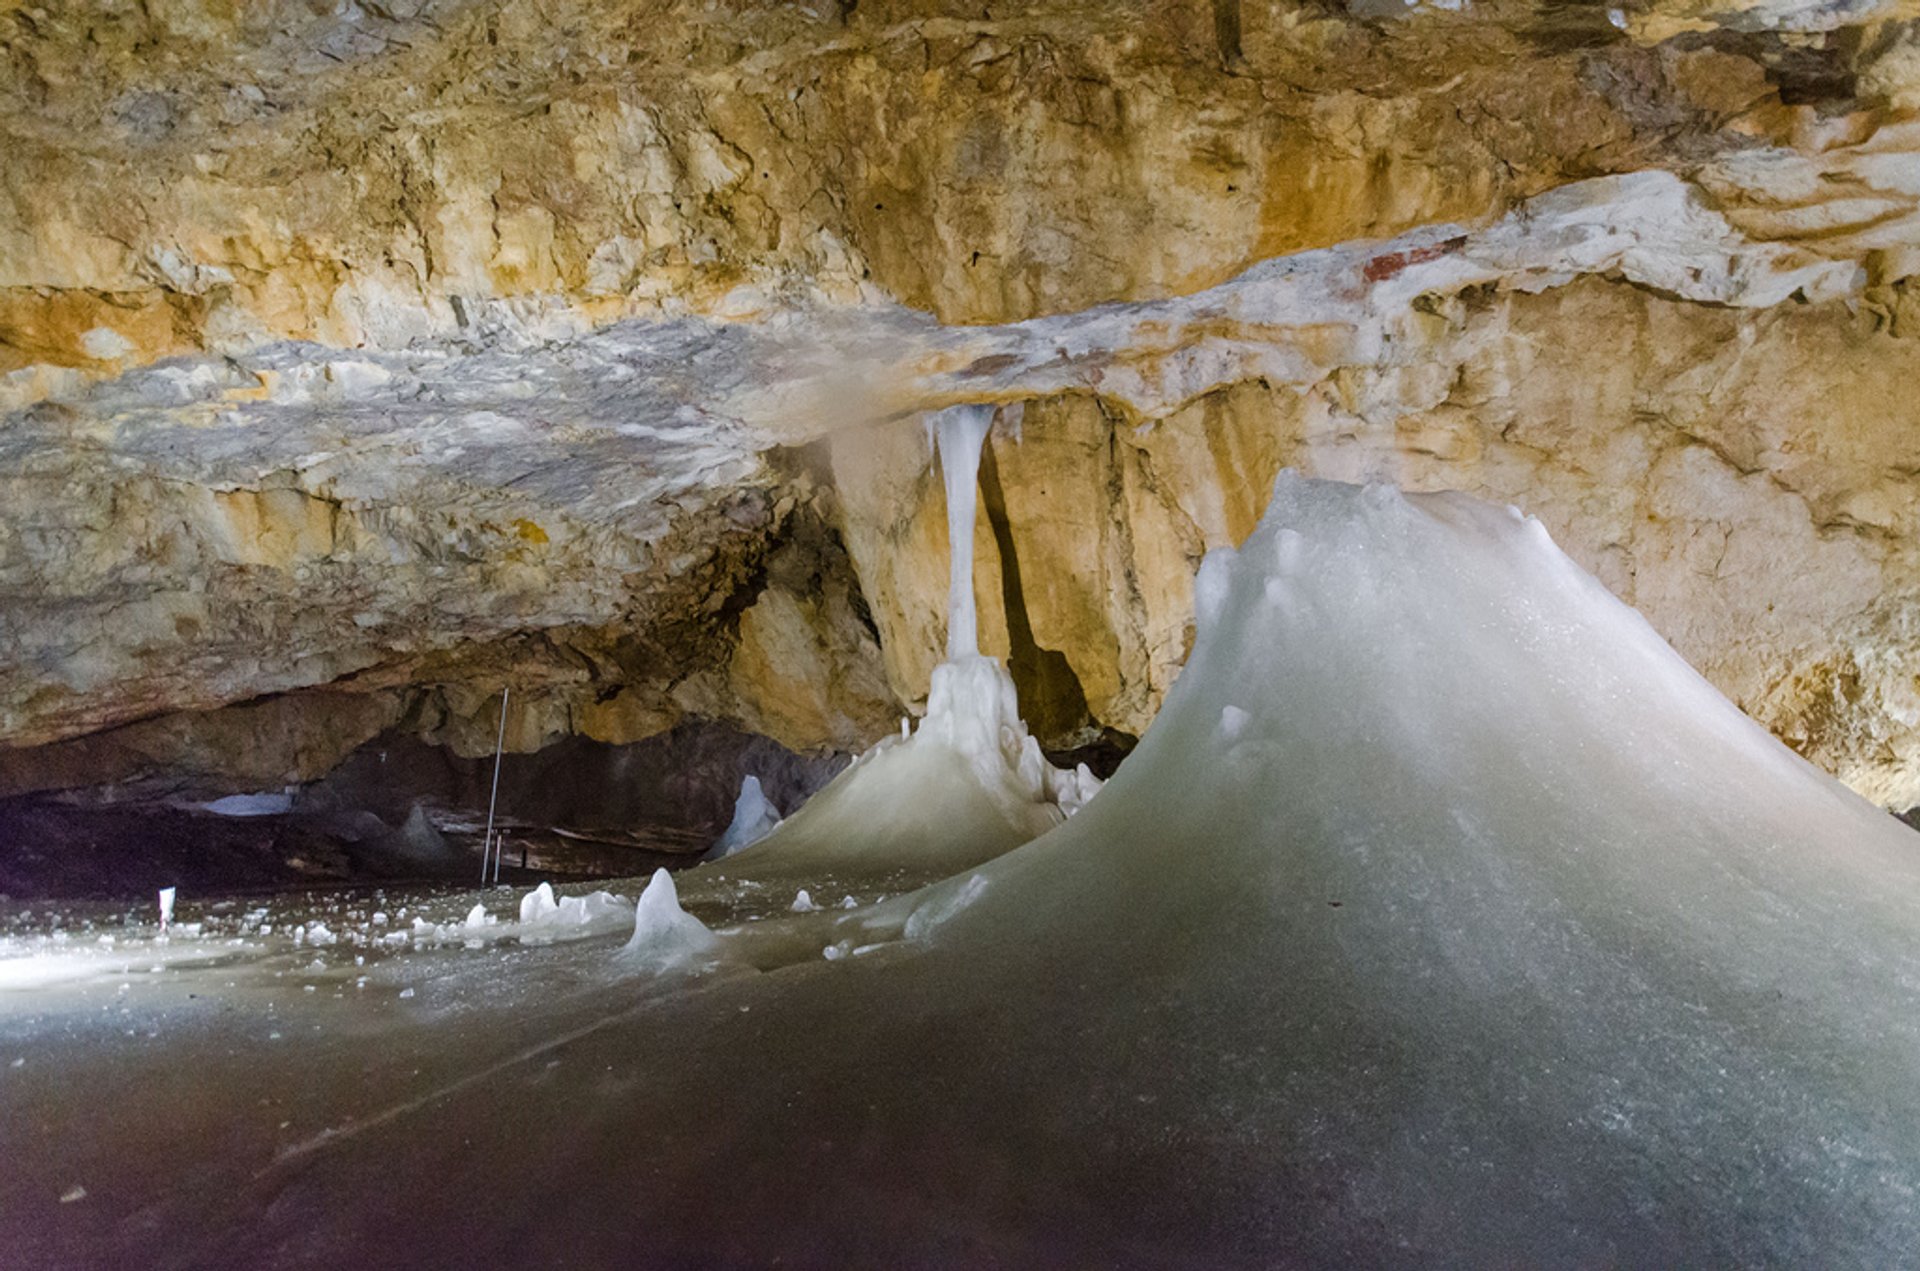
x,y
666,936
753,819
1446,914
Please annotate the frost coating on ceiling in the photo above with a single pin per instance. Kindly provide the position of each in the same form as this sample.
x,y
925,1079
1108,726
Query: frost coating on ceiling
x,y
692,395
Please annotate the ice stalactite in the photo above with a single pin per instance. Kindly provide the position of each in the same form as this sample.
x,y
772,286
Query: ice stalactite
x,y
962,431
972,705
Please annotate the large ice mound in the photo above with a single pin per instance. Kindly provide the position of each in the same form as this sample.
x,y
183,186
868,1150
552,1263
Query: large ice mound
x,y
1457,917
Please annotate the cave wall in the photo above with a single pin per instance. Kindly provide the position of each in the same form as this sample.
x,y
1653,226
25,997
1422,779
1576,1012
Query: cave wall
x,y
357,362
1752,486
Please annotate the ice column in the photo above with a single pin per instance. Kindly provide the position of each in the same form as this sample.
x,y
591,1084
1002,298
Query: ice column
x,y
961,430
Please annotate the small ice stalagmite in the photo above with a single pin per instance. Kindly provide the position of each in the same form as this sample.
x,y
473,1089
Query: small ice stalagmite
x,y
665,936
166,907
754,817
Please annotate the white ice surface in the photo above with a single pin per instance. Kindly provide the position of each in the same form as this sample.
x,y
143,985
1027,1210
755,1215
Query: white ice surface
x,y
1443,917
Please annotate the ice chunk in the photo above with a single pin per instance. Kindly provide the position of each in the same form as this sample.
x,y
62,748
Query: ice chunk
x,y
476,917
802,903
579,911
250,805
166,906
753,819
538,905
1070,791
543,918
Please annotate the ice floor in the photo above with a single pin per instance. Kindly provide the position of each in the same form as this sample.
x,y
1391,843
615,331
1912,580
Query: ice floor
x,y
1444,916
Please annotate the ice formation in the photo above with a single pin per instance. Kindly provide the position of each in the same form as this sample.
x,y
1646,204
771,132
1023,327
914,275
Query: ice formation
x,y
960,432
1443,917
1508,937
754,817
538,905
417,837
666,936
543,917
970,782
250,805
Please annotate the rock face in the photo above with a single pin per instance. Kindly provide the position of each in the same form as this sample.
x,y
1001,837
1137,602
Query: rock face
x,y
1672,451
360,363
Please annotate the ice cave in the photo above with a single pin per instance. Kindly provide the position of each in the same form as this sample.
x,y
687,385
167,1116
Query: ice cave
x,y
884,633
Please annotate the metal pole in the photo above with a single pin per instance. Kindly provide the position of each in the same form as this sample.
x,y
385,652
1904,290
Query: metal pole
x,y
499,743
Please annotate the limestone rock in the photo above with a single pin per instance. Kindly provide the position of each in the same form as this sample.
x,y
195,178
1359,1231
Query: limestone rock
x,y
1752,486
357,362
